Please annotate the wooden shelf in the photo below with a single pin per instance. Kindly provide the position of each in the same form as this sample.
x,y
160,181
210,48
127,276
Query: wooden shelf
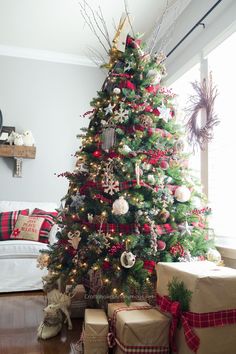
x,y
23,152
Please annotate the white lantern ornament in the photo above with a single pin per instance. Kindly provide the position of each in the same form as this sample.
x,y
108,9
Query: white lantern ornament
x,y
120,206
127,259
182,194
213,256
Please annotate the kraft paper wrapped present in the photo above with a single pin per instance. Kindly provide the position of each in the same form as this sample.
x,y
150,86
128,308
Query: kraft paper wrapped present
x,y
95,332
78,301
213,291
139,328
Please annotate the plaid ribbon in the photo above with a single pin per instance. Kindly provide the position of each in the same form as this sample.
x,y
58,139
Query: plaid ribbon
x,y
123,186
193,319
112,228
131,129
126,229
131,349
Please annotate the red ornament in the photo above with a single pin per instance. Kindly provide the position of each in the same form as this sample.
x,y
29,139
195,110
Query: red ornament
x,y
106,265
127,84
161,245
97,153
153,89
177,250
149,265
164,165
146,228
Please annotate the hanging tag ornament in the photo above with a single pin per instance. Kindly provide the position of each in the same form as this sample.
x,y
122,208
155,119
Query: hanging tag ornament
x,y
108,138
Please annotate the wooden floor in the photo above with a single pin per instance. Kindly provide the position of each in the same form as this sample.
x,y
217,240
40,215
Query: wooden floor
x,y
20,315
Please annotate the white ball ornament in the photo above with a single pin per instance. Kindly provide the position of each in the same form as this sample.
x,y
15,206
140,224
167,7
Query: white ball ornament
x,y
182,194
127,259
116,90
120,206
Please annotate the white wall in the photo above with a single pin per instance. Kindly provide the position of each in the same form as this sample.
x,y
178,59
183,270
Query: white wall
x,y
217,25
46,98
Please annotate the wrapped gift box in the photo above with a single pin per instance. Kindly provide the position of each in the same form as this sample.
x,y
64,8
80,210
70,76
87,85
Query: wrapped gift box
x,y
78,301
143,330
95,332
213,289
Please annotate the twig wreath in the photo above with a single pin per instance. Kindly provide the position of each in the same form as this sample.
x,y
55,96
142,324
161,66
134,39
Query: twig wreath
x,y
203,99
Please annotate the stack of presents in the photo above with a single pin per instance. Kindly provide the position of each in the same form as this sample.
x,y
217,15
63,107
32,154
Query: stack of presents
x,y
208,327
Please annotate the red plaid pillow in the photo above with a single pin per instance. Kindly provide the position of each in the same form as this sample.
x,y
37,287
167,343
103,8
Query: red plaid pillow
x,y
47,224
8,221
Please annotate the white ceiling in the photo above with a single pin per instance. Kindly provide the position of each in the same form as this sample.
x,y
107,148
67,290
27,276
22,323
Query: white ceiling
x,y
57,25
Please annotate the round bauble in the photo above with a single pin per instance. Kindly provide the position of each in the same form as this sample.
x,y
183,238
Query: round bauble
x,y
97,153
179,145
161,245
127,259
120,206
155,76
164,215
182,194
164,165
213,255
116,90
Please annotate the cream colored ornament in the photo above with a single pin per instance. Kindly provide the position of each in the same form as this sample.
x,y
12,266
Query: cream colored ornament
x,y
120,206
74,239
182,194
127,259
18,140
213,255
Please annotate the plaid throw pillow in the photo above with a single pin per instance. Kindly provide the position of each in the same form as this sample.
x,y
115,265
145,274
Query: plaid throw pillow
x,y
7,222
47,224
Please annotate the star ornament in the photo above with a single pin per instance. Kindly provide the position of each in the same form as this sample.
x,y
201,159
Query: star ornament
x,y
165,113
109,109
185,229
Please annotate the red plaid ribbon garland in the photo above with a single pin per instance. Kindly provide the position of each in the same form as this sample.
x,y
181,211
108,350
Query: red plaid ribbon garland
x,y
131,349
193,319
125,229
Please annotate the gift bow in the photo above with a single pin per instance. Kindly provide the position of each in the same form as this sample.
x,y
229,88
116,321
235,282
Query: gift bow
x,y
173,307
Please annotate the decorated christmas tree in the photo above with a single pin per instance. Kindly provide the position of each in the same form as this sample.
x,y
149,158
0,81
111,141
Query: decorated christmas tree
x,y
132,201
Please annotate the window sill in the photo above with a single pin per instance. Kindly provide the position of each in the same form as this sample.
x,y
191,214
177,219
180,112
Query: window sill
x,y
227,251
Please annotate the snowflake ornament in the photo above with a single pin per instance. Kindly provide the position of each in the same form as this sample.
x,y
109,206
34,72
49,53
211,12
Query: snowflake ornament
x,y
121,115
111,186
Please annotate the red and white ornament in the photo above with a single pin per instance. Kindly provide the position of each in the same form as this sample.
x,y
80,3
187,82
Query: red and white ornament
x,y
182,194
161,245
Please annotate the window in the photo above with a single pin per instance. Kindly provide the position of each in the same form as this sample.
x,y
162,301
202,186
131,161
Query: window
x,y
183,89
219,158
222,149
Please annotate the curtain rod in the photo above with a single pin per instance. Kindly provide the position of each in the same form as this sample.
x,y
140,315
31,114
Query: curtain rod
x,y
195,26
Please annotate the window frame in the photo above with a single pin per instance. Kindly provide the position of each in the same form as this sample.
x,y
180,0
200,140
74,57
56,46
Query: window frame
x,y
227,249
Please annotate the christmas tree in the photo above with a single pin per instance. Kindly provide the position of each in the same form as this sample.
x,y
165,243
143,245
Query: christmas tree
x,y
132,201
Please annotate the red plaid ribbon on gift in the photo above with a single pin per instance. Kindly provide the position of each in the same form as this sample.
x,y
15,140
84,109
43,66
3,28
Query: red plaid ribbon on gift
x,y
193,319
131,349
